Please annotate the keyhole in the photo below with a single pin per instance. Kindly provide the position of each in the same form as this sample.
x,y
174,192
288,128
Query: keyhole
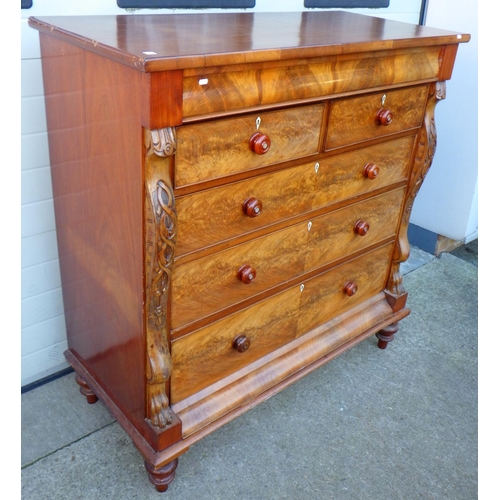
x,y
257,122
316,167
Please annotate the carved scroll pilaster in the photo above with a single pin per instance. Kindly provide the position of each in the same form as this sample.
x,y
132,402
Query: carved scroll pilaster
x,y
161,230
164,141
426,147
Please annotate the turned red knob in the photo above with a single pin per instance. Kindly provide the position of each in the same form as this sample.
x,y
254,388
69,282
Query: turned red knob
x,y
241,343
384,116
350,288
361,227
246,274
252,207
260,143
371,171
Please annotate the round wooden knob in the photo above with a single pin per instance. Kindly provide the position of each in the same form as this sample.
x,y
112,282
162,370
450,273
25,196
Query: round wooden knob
x,y
371,171
260,143
384,116
350,288
246,274
252,207
361,227
241,343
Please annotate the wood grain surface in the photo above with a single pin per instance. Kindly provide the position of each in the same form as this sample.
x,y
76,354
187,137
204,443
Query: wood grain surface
x,y
219,148
227,89
354,119
215,215
93,114
204,286
211,408
207,355
165,42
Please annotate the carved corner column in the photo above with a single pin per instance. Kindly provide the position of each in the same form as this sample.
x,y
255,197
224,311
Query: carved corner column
x,y
160,238
424,154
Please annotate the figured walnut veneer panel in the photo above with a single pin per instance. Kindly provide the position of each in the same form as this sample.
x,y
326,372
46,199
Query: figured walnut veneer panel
x,y
207,285
354,119
207,92
221,402
323,297
219,148
214,215
203,286
207,355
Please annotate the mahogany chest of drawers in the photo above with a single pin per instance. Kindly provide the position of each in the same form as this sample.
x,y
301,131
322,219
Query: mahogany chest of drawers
x,y
232,196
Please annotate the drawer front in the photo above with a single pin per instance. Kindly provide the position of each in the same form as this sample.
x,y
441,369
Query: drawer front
x,y
219,214
209,284
381,113
209,354
206,91
220,148
325,297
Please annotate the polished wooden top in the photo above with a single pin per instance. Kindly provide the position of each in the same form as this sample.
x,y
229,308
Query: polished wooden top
x,y
166,41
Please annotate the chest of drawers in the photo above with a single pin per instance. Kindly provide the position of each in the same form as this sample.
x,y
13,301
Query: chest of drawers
x,y
232,197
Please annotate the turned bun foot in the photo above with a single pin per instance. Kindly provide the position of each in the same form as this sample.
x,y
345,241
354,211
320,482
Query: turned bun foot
x,y
386,335
85,390
161,478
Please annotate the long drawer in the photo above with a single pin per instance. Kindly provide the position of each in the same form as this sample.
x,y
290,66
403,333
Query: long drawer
x,y
220,349
220,214
220,148
207,91
204,286
357,119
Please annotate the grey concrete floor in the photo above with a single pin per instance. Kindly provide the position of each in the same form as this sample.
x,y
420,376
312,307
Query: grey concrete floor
x,y
369,425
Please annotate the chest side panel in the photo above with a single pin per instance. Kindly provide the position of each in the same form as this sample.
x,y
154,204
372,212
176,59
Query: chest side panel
x,y
93,112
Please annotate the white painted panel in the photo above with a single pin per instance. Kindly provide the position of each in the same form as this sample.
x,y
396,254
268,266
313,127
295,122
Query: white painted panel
x,y
446,203
472,225
37,218
41,307
36,185
33,115
30,41
31,78
43,363
102,7
43,335
39,279
34,151
38,248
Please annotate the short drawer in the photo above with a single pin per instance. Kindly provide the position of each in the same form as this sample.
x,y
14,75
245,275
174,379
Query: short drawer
x,y
224,347
357,119
226,212
204,286
224,147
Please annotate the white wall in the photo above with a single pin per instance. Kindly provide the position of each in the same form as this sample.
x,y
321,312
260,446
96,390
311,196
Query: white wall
x,y
447,203
43,336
